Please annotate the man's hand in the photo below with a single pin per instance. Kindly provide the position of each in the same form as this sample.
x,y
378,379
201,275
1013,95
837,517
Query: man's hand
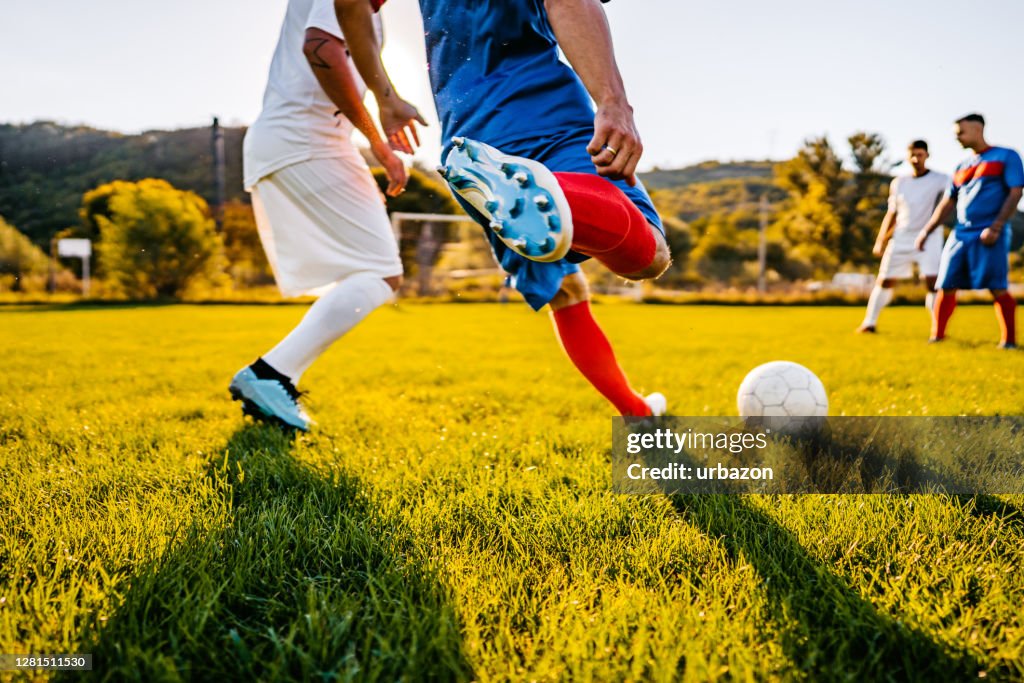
x,y
393,168
922,237
616,148
991,234
398,119
878,249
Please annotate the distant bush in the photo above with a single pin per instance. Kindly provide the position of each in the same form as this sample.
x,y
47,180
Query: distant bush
x,y
154,239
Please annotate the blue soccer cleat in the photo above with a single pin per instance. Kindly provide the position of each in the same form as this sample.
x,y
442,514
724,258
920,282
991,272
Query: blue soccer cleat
x,y
520,198
268,400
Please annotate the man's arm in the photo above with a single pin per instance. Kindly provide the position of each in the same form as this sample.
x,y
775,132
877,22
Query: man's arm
x,y
583,34
939,216
326,56
990,235
397,116
884,232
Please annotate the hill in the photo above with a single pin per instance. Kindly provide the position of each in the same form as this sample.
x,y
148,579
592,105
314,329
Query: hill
x,y
46,167
708,172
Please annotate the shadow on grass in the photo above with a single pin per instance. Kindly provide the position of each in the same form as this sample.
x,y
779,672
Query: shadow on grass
x,y
829,631
298,577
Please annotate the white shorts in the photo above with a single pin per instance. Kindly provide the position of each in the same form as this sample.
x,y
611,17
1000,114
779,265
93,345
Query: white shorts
x,y
899,259
321,221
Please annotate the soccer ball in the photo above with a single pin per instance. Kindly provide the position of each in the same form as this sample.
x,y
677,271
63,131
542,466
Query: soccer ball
x,y
783,396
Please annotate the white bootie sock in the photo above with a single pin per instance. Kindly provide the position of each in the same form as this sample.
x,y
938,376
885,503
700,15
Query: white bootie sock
x,y
879,299
929,302
328,319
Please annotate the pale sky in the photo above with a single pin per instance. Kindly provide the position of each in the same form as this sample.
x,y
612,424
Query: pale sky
x,y
730,79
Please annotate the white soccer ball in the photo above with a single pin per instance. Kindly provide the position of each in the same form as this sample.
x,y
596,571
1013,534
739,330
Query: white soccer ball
x,y
783,396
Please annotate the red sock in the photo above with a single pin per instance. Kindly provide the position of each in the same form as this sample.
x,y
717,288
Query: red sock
x,y
606,224
592,354
1006,307
945,302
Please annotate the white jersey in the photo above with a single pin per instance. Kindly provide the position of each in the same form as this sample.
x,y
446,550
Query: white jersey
x,y
298,122
914,200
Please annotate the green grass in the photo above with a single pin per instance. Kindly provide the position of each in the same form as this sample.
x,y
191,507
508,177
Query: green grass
x,y
451,517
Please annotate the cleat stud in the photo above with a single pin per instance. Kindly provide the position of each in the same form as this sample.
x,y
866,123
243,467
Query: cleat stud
x,y
508,169
497,226
555,223
549,245
521,178
517,209
443,171
491,206
542,203
459,142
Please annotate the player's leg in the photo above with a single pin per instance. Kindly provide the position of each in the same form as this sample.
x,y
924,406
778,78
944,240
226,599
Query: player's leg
x,y
541,214
929,262
953,274
991,270
881,296
329,318
609,227
323,226
1006,313
929,297
591,352
945,304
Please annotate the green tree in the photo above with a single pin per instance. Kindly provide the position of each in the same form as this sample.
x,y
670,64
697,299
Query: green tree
x,y
865,203
832,213
247,262
21,262
155,240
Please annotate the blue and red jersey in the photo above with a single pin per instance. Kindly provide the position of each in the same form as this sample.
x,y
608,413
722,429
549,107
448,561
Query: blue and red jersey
x,y
981,185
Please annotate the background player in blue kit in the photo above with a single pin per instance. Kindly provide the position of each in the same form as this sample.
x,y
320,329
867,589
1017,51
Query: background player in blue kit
x,y
528,157
985,191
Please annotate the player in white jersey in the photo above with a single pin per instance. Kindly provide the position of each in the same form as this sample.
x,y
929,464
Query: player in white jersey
x,y
320,214
912,199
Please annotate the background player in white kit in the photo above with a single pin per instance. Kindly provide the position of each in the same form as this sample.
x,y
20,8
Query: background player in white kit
x,y
912,199
320,215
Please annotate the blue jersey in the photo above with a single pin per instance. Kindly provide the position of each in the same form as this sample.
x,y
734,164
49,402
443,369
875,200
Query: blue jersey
x,y
497,77
496,74
981,185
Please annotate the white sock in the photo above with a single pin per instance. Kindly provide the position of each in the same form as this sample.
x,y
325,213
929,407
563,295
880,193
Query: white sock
x,y
879,299
929,301
328,319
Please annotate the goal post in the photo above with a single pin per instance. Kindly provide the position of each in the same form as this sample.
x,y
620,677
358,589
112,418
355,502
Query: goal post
x,y
462,257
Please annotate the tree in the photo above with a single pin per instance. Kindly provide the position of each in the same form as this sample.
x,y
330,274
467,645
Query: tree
x,y
20,260
155,240
247,263
832,214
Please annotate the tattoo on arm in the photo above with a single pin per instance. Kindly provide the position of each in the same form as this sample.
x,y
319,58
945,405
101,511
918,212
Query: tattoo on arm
x,y
315,59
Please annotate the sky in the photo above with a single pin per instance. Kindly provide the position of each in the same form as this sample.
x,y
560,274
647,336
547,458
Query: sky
x,y
725,80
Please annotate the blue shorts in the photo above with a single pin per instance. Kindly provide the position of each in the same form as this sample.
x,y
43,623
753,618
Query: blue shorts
x,y
969,264
539,282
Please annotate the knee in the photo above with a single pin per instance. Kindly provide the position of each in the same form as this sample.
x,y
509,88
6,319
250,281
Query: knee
x,y
573,290
394,282
662,260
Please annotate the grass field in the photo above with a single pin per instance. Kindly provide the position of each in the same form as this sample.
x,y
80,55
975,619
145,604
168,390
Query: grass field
x,y
452,518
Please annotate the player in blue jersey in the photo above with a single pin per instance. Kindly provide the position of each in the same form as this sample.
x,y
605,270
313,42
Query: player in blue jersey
x,y
550,178
985,191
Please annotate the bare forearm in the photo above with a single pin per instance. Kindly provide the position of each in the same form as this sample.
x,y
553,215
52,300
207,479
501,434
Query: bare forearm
x,y
326,56
1009,207
584,36
356,20
941,214
885,231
